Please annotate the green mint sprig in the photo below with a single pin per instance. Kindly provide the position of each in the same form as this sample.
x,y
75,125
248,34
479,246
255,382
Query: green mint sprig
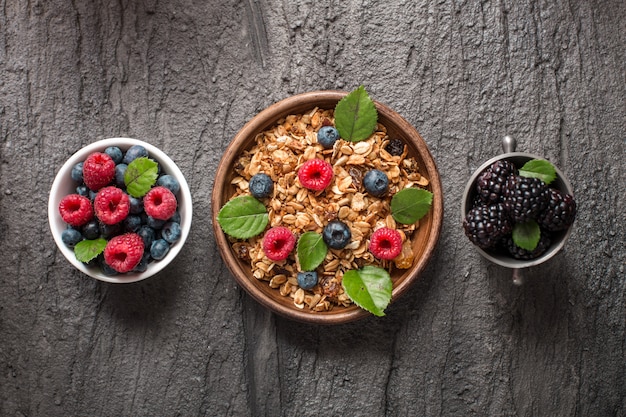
x,y
410,205
369,287
140,176
243,217
86,250
311,250
356,116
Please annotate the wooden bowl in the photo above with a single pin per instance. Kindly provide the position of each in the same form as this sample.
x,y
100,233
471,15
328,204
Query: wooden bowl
x,y
424,239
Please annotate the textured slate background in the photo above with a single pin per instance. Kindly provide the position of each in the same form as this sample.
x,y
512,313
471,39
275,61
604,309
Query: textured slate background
x,y
185,76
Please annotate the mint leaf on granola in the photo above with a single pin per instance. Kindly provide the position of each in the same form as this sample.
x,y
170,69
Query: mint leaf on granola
x,y
243,217
86,250
369,287
356,116
410,205
140,176
311,250
539,168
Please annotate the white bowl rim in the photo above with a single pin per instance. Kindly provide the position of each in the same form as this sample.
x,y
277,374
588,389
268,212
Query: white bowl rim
x,y
505,261
57,225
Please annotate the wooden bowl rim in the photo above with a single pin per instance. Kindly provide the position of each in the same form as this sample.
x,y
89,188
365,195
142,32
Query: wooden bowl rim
x,y
266,118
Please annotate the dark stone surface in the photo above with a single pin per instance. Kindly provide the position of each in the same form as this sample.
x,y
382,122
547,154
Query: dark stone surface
x,y
185,76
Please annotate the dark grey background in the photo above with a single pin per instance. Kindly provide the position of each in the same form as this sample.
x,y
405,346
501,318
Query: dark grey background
x,y
185,76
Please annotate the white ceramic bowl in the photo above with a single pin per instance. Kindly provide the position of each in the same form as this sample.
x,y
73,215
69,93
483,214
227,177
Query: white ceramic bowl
x,y
64,185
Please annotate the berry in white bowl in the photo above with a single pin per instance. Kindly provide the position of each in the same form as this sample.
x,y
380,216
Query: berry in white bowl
x,y
117,224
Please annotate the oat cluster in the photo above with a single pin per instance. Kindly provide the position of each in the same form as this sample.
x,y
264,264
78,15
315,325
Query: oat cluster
x,y
279,152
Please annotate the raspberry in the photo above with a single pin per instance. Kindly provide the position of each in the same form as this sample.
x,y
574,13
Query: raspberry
x,y
76,210
386,243
315,174
485,225
560,212
98,170
278,243
124,252
112,205
160,203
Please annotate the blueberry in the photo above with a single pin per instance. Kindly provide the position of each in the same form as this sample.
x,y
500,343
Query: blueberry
x,y
336,234
136,205
134,152
175,217
261,185
169,182
92,194
91,230
77,172
159,249
147,234
142,266
115,153
171,232
376,182
120,170
110,230
132,223
106,269
154,223
71,237
307,280
327,136
82,190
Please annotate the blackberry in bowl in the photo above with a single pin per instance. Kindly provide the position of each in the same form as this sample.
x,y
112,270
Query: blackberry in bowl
x,y
517,209
119,210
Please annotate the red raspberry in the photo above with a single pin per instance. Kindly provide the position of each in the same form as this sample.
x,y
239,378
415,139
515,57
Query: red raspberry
x,y
160,203
124,252
75,210
315,174
278,243
98,170
386,243
112,205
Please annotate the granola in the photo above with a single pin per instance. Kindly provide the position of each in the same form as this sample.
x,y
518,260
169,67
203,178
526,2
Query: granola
x,y
279,152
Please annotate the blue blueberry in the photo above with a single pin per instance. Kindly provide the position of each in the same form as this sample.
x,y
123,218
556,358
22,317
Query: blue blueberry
x,y
336,234
115,153
106,269
169,182
120,170
134,152
77,172
327,136
82,190
71,237
110,230
376,182
92,194
175,217
136,205
159,249
156,224
91,230
132,223
261,185
142,266
171,232
307,280
147,234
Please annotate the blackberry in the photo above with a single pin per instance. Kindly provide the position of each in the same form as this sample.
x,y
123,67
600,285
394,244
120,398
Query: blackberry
x,y
559,213
520,253
525,197
486,225
395,147
491,183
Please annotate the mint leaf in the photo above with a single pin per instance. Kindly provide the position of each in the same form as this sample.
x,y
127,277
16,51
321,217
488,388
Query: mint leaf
x,y
539,168
311,250
369,287
140,176
243,217
356,116
86,250
410,205
526,235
